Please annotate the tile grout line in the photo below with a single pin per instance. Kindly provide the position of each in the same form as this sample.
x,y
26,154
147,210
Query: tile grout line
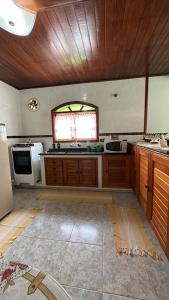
x,y
66,241
99,292
60,268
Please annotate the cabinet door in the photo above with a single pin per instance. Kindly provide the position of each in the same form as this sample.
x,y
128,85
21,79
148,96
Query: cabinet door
x,y
143,169
54,171
88,172
116,171
71,171
134,151
160,199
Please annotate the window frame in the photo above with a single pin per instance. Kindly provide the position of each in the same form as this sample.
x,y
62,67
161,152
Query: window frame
x,y
53,114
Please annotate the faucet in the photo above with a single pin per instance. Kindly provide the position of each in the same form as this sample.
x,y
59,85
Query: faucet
x,y
75,144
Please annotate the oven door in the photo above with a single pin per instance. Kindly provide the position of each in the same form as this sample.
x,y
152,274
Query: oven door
x,y
22,162
113,146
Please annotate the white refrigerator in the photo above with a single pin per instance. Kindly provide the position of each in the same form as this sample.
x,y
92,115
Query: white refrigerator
x,y
6,196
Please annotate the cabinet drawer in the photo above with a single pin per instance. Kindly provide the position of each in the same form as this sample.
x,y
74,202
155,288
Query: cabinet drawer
x,y
54,171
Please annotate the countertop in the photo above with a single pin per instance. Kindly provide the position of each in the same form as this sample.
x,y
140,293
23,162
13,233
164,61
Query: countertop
x,y
78,153
154,148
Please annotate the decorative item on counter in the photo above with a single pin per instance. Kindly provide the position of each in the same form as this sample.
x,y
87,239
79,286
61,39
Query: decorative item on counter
x,y
89,148
163,141
99,147
101,140
58,146
114,137
153,138
29,141
93,148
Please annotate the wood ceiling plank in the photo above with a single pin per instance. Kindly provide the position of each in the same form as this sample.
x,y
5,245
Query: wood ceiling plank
x,y
90,23
76,20
22,66
100,27
65,36
39,5
114,14
161,55
55,53
86,41
148,25
73,54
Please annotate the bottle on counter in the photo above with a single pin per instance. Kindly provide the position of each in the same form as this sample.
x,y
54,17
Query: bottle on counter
x,y
58,146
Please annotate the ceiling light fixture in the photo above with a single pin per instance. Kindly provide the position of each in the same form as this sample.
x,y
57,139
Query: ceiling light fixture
x,y
15,19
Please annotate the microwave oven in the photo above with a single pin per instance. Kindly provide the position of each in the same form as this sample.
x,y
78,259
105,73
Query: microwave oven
x,y
115,146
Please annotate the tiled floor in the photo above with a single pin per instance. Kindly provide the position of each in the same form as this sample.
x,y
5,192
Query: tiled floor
x,y
74,243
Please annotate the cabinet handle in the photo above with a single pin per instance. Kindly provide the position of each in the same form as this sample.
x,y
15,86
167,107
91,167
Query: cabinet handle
x,y
147,187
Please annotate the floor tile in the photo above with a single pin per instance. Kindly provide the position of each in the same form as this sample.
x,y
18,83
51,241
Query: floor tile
x,y
125,199
81,294
159,277
82,267
62,210
89,212
46,255
126,276
50,227
90,232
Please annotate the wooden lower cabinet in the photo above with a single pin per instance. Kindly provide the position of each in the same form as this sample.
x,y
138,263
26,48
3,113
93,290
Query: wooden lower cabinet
x,y
116,171
72,171
159,184
88,168
153,192
142,178
53,171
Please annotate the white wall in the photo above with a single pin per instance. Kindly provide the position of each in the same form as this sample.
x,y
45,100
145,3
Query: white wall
x,y
122,114
158,104
10,112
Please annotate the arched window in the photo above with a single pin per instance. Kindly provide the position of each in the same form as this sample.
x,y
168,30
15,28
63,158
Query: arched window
x,y
75,121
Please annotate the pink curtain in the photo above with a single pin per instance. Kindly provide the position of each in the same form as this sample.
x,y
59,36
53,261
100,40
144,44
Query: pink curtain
x,y
75,126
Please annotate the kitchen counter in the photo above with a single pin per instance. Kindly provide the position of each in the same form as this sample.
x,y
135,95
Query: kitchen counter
x,y
57,169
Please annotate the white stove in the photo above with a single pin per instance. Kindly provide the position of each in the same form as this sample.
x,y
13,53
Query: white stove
x,y
26,162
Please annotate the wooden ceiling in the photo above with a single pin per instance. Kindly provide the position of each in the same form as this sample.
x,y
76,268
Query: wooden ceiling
x,y
88,40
